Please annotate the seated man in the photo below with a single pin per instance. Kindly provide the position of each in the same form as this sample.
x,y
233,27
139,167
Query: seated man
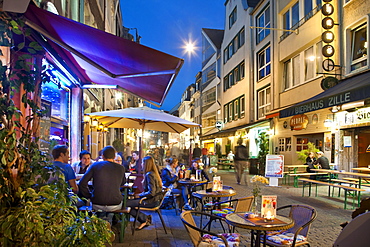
x,y
61,157
80,167
322,161
107,177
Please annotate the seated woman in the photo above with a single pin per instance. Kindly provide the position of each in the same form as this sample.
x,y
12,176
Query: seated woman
x,y
195,167
152,191
310,160
169,179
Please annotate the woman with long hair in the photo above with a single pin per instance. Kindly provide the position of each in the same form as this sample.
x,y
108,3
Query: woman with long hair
x,y
152,185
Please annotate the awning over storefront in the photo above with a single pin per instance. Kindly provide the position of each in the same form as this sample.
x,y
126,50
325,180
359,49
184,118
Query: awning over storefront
x,y
102,58
348,90
215,133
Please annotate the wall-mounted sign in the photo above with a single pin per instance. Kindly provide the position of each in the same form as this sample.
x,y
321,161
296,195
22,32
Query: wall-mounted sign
x,y
285,124
347,141
219,125
298,122
357,117
315,118
329,82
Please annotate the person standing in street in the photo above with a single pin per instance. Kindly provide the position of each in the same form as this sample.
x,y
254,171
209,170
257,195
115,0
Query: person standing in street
x,y
205,156
240,161
127,151
197,152
61,157
107,178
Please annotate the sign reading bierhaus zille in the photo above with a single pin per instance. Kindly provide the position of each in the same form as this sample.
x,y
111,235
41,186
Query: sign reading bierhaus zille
x,y
298,122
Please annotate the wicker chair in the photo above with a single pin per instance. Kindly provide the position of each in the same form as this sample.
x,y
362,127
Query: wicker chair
x,y
195,232
303,216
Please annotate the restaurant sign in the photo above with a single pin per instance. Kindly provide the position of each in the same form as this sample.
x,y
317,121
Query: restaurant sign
x,y
349,118
298,122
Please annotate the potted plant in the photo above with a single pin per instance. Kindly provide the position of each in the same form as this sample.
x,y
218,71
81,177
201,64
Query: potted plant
x,y
263,144
303,154
36,208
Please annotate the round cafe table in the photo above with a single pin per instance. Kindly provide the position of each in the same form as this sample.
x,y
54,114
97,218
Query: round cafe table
x,y
258,225
189,183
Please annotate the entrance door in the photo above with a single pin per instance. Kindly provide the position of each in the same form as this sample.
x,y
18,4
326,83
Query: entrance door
x,y
363,148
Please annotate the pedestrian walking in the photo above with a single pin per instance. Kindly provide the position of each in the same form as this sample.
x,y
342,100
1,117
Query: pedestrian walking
x,y
240,161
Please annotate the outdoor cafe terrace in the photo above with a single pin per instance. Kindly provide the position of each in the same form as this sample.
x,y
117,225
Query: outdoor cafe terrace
x,y
323,232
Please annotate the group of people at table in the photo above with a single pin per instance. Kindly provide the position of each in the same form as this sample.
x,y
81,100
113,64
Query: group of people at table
x,y
108,178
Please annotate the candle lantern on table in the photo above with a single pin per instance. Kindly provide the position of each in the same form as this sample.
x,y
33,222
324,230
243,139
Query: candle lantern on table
x,y
268,211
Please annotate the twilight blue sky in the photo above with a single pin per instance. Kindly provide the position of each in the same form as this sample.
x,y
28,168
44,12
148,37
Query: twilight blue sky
x,y
166,25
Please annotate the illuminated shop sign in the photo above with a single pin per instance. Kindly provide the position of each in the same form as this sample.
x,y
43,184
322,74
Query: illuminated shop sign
x,y
298,122
359,116
323,103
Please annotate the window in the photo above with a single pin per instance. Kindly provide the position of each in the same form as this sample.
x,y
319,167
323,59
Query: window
x,y
302,144
263,20
237,42
309,63
359,47
242,106
291,17
312,66
285,144
318,58
226,113
295,70
264,102
231,111
236,109
288,81
234,76
232,18
264,63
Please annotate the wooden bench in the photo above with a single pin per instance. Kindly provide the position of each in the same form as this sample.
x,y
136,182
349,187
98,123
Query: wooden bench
x,y
124,213
297,175
347,189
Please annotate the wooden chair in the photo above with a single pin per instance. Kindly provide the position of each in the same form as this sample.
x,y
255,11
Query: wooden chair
x,y
303,216
154,209
196,232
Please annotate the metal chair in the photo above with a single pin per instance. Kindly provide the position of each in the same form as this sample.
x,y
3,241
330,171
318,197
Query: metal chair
x,y
196,232
303,216
154,209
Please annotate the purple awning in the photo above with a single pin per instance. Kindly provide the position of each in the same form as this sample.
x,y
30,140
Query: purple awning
x,y
102,58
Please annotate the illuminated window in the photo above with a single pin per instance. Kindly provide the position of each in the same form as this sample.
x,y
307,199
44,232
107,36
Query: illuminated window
x,y
359,47
264,102
309,59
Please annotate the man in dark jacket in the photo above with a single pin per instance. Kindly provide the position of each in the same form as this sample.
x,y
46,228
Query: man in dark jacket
x,y
240,161
107,178
197,152
322,161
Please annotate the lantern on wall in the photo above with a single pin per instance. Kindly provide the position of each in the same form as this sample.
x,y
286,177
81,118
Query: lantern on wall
x,y
327,36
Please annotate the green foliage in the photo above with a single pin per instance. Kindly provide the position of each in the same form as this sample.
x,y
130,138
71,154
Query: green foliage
x,y
303,154
36,208
118,145
218,150
263,144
